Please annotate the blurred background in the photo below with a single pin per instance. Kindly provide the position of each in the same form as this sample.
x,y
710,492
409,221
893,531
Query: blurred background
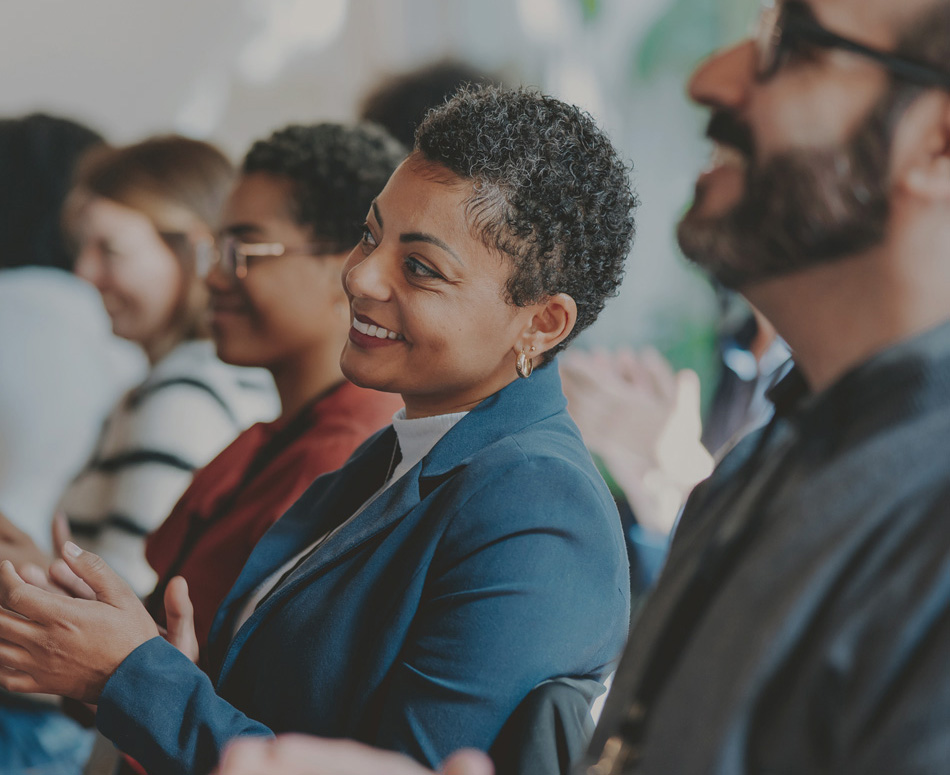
x,y
232,70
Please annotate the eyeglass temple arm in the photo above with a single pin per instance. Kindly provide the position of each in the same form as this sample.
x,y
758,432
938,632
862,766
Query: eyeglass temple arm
x,y
914,72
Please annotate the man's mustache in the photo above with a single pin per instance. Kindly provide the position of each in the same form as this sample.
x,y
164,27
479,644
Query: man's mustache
x,y
724,128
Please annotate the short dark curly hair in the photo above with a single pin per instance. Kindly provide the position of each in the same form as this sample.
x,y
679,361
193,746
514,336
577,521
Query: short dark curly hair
x,y
336,171
550,192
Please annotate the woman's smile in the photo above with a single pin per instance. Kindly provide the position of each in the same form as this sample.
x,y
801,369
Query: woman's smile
x,y
365,328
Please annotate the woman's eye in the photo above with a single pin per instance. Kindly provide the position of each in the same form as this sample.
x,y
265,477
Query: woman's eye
x,y
367,240
416,268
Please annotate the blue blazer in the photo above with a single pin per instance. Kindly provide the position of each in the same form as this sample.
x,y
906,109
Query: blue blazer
x,y
495,563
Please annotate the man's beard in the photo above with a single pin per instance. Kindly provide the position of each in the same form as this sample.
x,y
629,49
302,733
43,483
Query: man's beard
x,y
801,208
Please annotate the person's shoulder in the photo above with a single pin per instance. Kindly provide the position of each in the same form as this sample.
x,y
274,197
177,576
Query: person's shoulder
x,y
193,374
542,476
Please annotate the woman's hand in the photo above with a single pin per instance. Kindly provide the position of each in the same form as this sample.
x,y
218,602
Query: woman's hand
x,y
59,645
300,755
17,547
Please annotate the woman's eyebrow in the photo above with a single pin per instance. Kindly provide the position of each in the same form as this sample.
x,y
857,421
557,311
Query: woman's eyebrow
x,y
379,218
416,236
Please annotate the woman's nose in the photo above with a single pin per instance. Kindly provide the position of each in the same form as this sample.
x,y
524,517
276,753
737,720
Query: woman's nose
x,y
725,79
368,278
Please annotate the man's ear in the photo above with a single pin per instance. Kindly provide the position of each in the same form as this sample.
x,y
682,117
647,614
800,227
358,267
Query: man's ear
x,y
922,150
551,323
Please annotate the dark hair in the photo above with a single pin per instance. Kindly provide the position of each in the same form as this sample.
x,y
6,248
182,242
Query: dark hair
x,y
550,192
400,103
336,172
37,156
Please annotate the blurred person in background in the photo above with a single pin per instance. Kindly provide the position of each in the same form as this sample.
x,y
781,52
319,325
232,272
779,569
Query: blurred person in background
x,y
61,368
400,102
138,215
61,372
753,359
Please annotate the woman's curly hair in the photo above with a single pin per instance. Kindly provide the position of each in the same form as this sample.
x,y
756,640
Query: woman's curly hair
x,y
550,192
336,171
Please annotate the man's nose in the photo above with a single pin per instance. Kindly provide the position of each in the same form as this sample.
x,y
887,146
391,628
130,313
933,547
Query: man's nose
x,y
726,78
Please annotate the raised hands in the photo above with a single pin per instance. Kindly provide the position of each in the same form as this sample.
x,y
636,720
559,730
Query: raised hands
x,y
643,421
300,755
55,644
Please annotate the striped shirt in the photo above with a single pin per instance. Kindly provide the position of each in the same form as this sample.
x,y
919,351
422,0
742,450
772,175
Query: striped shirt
x,y
189,408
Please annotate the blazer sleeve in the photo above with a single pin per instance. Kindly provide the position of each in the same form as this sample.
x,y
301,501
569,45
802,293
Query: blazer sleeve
x,y
529,582
162,710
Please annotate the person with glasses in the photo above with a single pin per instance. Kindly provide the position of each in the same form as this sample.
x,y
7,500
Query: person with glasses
x,y
801,623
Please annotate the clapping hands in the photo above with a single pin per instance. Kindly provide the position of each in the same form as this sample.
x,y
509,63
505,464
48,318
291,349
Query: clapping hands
x,y
642,419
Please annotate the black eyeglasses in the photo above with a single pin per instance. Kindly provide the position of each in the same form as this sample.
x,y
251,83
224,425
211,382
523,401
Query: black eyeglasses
x,y
784,26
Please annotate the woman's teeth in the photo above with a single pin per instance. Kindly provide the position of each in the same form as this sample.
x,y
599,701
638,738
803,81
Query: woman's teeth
x,y
378,331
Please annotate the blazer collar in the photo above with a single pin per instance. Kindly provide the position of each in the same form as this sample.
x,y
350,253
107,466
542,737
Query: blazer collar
x,y
513,408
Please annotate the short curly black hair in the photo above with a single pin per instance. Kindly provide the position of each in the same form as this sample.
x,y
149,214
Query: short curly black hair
x,y
550,192
336,171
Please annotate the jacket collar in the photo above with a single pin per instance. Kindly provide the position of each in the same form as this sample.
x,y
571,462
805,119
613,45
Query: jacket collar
x,y
513,408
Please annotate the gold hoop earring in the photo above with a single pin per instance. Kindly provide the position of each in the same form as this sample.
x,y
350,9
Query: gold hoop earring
x,y
524,365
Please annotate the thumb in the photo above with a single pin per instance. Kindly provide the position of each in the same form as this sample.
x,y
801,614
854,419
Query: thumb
x,y
105,582
467,762
180,617
61,532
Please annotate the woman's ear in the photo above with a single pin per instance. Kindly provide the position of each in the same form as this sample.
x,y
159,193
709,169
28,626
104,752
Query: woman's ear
x,y
551,323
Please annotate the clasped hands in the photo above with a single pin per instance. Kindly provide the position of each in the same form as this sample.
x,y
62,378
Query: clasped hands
x,y
54,643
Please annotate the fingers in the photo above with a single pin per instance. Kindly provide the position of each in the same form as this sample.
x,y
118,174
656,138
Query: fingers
x,y
34,575
14,657
107,585
17,681
467,762
180,615
61,532
67,581
24,599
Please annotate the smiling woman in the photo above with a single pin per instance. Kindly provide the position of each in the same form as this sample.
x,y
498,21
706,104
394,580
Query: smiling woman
x,y
462,556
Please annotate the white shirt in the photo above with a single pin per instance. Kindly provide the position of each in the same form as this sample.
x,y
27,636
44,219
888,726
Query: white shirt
x,y
415,438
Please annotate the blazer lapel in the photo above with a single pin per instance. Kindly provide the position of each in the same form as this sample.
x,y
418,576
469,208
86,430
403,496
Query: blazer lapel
x,y
390,507
329,501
